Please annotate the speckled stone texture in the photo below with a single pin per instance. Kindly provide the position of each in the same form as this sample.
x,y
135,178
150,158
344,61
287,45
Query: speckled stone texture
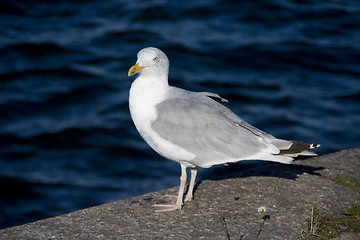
x,y
226,208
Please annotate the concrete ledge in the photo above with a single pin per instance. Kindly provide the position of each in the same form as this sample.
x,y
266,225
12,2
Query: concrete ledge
x,y
225,206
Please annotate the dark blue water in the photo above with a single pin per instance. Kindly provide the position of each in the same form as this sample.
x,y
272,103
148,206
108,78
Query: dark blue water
x,y
291,68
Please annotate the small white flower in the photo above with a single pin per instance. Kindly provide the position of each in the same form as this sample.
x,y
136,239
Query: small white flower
x,y
261,209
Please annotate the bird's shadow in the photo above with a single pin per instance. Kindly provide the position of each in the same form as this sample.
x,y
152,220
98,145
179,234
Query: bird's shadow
x,y
256,168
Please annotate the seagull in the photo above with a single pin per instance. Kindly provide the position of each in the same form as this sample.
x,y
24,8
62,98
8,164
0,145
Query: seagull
x,y
194,129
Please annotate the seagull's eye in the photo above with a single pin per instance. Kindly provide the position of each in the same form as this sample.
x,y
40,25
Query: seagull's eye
x,y
156,59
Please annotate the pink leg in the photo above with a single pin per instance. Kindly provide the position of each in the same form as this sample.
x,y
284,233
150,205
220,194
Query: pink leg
x,y
179,201
189,195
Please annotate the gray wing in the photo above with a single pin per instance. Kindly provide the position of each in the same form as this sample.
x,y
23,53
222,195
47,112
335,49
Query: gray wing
x,y
208,129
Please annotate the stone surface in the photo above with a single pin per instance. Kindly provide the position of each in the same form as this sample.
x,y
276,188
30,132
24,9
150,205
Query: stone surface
x,y
224,208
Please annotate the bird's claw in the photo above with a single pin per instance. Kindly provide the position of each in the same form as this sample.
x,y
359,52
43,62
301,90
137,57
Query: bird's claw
x,y
166,207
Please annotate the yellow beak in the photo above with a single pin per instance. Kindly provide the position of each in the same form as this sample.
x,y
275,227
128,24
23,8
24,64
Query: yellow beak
x,y
135,69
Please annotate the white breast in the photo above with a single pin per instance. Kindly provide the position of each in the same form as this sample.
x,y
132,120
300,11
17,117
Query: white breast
x,y
145,94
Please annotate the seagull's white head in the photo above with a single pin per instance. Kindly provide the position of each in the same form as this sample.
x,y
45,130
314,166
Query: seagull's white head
x,y
150,61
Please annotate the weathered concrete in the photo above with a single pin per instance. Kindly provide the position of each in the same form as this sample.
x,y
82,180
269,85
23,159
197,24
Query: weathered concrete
x,y
225,206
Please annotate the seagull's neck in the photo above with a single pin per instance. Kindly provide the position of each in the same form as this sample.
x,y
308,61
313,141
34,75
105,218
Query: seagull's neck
x,y
150,85
145,92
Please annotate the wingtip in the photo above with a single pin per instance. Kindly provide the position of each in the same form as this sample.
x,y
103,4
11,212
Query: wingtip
x,y
314,145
